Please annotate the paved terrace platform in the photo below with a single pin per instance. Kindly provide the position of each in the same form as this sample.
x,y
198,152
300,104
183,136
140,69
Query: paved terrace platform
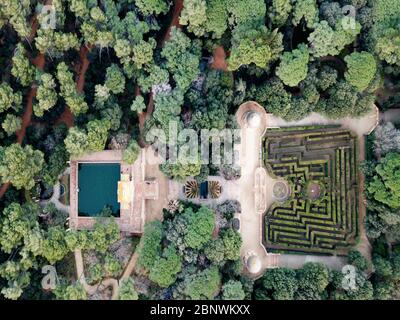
x,y
132,215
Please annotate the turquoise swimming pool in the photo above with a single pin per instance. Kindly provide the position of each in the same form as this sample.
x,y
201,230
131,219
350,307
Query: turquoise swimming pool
x,y
98,186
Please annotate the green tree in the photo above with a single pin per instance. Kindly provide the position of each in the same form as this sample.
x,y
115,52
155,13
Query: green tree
x,y
152,76
55,43
259,46
232,244
183,58
226,247
115,80
202,285
46,95
282,282
215,251
9,99
272,95
167,107
166,267
15,282
68,91
112,266
363,289
138,104
127,290
294,66
233,290
70,292
280,11
325,40
344,101
105,232
361,69
97,134
143,52
385,37
150,245
20,165
95,273
194,16
385,33
148,7
358,260
383,267
385,186
16,13
11,124
313,278
76,142
54,245
131,153
17,223
112,114
307,10
180,171
199,227
217,18
249,12
22,69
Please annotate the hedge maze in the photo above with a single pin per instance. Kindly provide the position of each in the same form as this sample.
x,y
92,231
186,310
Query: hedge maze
x,y
320,215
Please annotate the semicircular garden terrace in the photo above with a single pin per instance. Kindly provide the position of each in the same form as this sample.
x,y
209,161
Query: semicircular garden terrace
x,y
316,201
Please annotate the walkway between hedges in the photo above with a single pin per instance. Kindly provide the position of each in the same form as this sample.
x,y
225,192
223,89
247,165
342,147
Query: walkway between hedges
x,y
251,159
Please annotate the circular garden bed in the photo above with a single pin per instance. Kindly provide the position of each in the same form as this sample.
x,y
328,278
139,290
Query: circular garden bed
x,y
280,190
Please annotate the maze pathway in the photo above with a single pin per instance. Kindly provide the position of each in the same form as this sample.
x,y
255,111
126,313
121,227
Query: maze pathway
x,y
321,167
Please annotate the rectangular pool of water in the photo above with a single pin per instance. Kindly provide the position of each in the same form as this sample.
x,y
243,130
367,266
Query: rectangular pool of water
x,y
98,186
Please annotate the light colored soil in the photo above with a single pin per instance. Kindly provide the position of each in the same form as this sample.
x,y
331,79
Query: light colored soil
x,y
295,261
106,284
84,65
154,207
250,160
360,126
364,246
391,115
4,189
66,117
94,289
219,59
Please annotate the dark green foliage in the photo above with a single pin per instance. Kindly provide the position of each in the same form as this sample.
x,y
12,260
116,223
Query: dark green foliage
x,y
358,260
336,189
150,245
202,285
166,267
281,282
386,183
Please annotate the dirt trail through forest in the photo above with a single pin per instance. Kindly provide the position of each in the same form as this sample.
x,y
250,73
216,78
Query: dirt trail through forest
x,y
67,117
178,6
219,59
39,62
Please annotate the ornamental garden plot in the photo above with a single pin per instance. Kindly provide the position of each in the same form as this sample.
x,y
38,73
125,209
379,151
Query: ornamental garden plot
x,y
319,213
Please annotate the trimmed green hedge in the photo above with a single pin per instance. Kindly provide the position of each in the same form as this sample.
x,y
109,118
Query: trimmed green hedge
x,y
327,156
